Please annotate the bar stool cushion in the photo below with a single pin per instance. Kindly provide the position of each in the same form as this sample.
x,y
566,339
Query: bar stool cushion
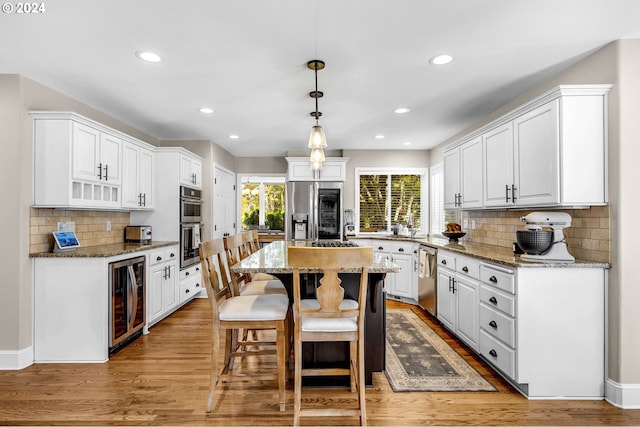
x,y
310,324
255,307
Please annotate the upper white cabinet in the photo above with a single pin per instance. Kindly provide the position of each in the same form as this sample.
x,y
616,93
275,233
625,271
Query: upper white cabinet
x,y
138,168
463,176
333,169
77,162
190,171
549,152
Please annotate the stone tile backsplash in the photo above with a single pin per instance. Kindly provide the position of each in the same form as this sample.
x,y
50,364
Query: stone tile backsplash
x,y
90,227
588,237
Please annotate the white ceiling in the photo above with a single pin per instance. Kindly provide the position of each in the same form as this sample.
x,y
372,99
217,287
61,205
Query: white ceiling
x,y
247,60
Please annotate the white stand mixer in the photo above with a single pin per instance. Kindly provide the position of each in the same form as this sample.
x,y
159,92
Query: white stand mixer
x,y
557,221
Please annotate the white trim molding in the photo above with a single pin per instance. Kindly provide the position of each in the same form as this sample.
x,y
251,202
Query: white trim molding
x,y
625,396
15,360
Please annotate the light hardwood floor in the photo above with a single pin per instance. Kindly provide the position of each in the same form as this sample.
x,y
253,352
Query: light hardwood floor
x,y
162,379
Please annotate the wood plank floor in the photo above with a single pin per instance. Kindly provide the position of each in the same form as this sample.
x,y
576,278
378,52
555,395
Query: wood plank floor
x,y
162,379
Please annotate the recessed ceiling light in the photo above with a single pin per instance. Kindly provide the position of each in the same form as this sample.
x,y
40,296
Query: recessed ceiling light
x,y
148,56
406,143
233,136
441,59
206,110
401,110
379,136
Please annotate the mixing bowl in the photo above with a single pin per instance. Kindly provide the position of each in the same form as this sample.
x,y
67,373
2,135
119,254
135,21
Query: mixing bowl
x,y
534,242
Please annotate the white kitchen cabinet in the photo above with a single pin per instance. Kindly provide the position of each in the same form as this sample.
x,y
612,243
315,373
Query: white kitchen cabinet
x,y
190,283
333,169
402,285
163,288
458,296
190,171
498,166
550,151
77,162
451,178
463,176
138,168
543,328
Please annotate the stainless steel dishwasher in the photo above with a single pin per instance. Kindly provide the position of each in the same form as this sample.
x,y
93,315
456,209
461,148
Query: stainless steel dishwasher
x,y
427,290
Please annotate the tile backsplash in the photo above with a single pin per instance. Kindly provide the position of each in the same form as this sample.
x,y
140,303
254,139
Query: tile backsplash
x,y
90,227
588,237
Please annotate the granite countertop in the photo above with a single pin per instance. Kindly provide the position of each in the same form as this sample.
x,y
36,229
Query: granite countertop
x,y
104,251
273,259
491,253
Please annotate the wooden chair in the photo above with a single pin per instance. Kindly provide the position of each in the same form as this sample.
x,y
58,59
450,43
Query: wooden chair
x,y
251,245
231,313
330,317
244,284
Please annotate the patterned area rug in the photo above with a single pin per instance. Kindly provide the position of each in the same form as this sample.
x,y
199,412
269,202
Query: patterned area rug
x,y
419,360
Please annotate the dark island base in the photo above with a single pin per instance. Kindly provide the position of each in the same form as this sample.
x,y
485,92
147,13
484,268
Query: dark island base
x,y
336,354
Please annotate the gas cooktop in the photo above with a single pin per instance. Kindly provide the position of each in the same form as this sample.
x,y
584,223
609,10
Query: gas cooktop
x,y
332,244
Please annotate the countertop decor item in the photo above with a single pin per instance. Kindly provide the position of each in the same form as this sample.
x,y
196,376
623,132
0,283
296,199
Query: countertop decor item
x,y
454,236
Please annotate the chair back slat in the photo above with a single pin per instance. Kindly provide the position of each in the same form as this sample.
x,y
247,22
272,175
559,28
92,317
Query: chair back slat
x,y
232,248
255,241
330,260
211,257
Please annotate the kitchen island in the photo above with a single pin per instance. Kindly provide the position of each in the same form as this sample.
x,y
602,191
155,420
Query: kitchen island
x,y
272,259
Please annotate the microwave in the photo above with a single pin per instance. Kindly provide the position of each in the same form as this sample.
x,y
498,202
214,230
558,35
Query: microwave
x,y
190,205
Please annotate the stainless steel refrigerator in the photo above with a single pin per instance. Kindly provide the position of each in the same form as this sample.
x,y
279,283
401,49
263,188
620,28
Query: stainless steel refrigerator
x,y
314,211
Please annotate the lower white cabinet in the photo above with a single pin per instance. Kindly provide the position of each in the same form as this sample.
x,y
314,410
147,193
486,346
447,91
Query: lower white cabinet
x,y
162,291
458,290
543,329
190,283
404,284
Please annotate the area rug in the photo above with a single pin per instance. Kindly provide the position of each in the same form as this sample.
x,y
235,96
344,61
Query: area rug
x,y
417,359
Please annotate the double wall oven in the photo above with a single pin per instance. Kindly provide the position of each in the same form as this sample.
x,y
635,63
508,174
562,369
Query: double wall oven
x,y
190,225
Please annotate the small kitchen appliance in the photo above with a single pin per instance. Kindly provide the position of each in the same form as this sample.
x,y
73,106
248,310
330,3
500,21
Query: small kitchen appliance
x,y
137,234
543,245
349,222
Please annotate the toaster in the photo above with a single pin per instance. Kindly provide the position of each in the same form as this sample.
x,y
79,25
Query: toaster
x,y
137,234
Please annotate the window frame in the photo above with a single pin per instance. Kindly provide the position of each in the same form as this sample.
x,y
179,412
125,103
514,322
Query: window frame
x,y
424,193
261,178
436,169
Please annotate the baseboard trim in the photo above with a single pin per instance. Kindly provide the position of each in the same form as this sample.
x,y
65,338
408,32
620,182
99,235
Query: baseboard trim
x,y
625,396
14,360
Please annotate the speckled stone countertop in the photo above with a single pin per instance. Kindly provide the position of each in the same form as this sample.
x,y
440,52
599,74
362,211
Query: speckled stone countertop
x,y
491,253
273,259
103,251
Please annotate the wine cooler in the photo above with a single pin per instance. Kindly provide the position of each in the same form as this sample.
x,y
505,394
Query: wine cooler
x,y
127,301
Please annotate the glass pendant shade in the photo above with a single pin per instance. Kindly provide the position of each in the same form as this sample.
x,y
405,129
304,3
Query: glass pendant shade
x,y
316,166
317,138
317,155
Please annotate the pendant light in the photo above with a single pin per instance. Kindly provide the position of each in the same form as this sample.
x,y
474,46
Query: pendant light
x,y
317,138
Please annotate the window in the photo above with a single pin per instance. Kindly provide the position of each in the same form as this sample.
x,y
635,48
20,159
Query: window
x,y
390,196
437,200
263,202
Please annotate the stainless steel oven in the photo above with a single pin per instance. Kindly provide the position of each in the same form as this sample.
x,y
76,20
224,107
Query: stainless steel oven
x,y
189,240
190,205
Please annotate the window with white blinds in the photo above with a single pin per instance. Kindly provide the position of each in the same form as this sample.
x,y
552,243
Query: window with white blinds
x,y
437,200
388,197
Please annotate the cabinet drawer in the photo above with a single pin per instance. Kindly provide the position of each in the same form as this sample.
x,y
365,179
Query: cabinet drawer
x,y
498,324
191,272
446,261
157,257
499,300
501,356
498,278
405,248
468,266
189,288
381,246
